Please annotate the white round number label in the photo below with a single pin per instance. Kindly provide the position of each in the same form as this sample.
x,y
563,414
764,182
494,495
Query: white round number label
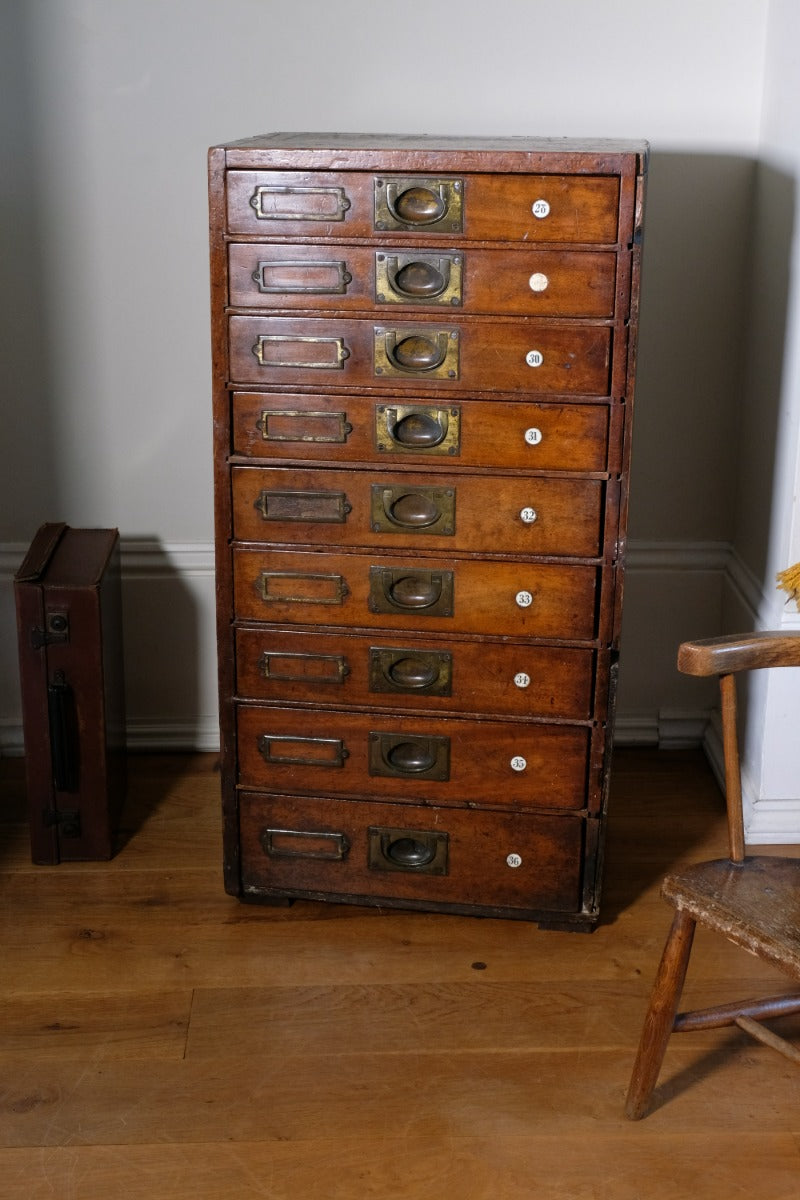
x,y
538,282
514,860
534,358
527,516
533,436
524,599
518,763
540,209
522,679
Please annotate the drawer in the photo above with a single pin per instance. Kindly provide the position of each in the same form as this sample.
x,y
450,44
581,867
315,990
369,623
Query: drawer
x,y
473,433
498,355
533,515
501,678
424,758
574,209
442,595
535,283
360,850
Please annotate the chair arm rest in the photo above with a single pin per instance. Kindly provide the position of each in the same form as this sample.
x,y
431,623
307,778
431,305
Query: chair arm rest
x,y
743,652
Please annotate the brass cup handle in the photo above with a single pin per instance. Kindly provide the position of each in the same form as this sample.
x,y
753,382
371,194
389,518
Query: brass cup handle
x,y
416,352
418,280
409,852
411,674
421,429
416,205
415,850
413,591
409,757
410,510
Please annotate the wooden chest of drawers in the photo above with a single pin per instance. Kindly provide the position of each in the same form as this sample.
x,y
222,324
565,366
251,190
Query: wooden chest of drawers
x,y
423,382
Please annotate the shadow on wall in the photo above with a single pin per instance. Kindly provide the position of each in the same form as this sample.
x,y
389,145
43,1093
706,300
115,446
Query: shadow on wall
x,y
695,291
163,652
764,408
706,435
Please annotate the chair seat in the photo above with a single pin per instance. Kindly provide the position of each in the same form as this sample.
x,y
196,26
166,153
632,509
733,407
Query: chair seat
x,y
755,904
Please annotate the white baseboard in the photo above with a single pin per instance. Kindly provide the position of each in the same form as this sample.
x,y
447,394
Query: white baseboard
x,y
201,736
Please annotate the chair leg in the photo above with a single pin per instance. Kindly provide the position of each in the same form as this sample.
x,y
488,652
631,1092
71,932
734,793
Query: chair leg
x,y
661,1014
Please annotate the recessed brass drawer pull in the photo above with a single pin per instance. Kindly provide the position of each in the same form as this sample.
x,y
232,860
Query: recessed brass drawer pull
x,y
272,203
418,428
288,750
316,353
401,755
417,203
296,425
416,352
324,507
299,587
397,509
400,670
418,279
423,851
427,593
291,277
303,668
302,843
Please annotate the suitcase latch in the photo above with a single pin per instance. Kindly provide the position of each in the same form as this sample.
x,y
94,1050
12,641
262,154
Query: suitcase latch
x,y
56,630
68,820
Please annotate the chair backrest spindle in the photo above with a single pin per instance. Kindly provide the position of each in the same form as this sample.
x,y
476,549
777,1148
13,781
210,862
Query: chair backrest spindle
x,y
733,778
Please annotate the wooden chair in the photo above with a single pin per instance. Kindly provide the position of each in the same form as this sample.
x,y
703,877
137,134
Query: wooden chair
x,y
752,901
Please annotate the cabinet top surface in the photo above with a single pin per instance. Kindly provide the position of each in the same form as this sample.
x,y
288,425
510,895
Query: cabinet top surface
x,y
363,150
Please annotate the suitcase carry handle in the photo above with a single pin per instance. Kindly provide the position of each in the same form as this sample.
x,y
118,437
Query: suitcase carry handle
x,y
63,743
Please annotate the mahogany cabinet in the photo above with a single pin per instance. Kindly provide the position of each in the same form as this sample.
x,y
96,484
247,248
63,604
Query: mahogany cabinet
x,y
423,360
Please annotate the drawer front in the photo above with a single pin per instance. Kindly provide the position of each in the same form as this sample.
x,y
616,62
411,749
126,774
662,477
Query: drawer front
x,y
479,433
425,758
518,599
535,283
576,209
334,847
502,514
504,679
498,355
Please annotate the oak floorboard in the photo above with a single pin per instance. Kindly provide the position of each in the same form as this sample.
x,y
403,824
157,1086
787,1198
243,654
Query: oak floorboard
x,y
59,1025
173,938
444,1018
532,1167
477,1094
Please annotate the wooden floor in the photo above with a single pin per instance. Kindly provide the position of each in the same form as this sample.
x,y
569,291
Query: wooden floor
x,y
161,1040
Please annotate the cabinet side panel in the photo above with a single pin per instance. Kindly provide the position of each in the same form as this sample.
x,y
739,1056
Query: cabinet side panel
x,y
222,517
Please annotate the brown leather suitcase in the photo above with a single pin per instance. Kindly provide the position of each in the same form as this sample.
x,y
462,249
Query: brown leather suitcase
x,y
70,653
